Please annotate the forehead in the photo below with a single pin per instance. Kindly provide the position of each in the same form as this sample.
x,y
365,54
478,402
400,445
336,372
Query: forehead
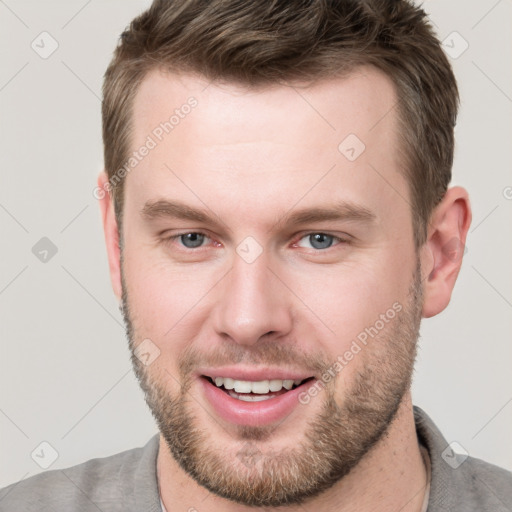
x,y
267,143
354,103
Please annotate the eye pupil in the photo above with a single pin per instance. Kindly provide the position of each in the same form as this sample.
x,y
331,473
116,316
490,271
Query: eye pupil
x,y
320,240
192,240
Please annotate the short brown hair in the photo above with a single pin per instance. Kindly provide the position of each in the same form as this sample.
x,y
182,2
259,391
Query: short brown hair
x,y
264,42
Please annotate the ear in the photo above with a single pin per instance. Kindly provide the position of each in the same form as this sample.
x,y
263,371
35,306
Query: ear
x,y
443,251
111,231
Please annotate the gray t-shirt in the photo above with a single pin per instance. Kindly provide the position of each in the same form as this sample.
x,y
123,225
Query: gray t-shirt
x,y
127,482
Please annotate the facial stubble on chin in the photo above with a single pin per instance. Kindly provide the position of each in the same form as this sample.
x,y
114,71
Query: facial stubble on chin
x,y
333,442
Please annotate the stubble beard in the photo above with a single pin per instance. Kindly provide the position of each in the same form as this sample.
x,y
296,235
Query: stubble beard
x,y
333,443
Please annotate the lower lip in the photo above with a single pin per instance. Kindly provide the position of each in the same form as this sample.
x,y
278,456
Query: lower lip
x,y
254,414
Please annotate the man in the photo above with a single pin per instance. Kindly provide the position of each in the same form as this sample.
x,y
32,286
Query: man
x,y
278,221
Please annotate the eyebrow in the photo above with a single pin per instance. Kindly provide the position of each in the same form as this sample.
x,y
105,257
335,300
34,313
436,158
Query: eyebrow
x,y
343,210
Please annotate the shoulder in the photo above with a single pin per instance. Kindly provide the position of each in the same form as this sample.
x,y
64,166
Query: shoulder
x,y
97,484
459,481
489,486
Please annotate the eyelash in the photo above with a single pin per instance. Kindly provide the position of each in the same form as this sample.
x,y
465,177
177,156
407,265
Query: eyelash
x,y
340,240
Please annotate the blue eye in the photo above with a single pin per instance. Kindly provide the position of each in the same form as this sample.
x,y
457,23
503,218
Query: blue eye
x,y
192,240
319,241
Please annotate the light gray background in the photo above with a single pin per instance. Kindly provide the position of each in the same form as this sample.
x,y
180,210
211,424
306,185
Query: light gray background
x,y
65,373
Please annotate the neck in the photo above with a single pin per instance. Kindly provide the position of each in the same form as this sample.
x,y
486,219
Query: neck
x,y
391,477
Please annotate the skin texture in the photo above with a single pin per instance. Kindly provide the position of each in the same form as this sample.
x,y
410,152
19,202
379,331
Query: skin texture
x,y
249,158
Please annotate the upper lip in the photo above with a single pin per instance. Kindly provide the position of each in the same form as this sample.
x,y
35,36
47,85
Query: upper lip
x,y
253,374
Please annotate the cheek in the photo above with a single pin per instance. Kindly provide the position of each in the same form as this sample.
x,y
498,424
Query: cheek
x,y
162,310
350,299
164,302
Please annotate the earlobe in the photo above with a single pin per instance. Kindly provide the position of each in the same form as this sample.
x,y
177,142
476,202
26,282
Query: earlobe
x,y
111,231
444,249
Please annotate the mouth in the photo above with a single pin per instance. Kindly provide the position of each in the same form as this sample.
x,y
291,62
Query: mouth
x,y
255,391
255,402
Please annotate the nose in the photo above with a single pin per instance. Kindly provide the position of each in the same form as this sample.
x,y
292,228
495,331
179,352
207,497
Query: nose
x,y
253,303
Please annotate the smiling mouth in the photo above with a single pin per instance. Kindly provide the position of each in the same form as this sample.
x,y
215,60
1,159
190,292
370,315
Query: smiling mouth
x,y
255,391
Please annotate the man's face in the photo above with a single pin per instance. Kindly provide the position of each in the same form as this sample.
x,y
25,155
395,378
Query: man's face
x,y
256,294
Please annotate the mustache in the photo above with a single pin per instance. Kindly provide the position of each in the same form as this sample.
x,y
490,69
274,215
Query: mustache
x,y
265,353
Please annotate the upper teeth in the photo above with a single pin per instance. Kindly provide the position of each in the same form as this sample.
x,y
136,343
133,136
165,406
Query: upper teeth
x,y
261,386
